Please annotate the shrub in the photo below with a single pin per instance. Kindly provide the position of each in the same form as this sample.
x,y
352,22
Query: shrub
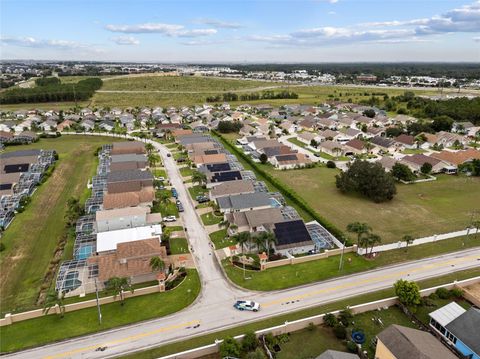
x,y
340,331
330,320
456,293
311,327
257,354
345,316
352,347
407,292
249,342
2,247
443,293
331,164
230,348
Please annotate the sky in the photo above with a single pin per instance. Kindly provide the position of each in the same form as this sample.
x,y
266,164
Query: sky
x,y
248,31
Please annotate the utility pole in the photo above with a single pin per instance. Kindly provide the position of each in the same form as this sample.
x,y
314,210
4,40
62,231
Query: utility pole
x,y
98,303
340,266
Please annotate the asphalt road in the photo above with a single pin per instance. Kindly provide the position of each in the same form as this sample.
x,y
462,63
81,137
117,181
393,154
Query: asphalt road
x,y
213,309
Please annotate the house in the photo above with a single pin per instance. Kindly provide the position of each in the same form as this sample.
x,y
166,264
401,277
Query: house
x,y
122,218
107,125
255,221
48,125
244,202
292,237
129,147
415,163
247,130
406,141
143,198
231,188
128,181
306,137
65,125
332,148
6,137
328,135
334,354
456,158
26,137
87,125
462,127
447,139
385,144
398,342
288,127
128,162
226,176
130,259
210,159
308,124
387,163
458,327
259,145
289,161
354,147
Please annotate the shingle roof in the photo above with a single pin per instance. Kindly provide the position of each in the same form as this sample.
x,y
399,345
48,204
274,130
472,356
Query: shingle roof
x,y
128,199
232,187
457,158
382,141
127,176
420,159
405,139
129,157
334,354
243,201
20,153
466,328
408,343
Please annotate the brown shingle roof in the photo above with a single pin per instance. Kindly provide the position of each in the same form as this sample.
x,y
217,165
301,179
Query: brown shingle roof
x,y
207,159
232,187
457,158
128,199
127,147
405,139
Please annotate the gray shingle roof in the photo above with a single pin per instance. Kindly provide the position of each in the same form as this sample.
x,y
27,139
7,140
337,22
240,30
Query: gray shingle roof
x,y
243,201
21,153
126,176
334,354
466,328
129,158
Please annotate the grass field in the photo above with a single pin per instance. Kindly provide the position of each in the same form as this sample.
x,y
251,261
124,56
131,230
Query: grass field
x,y
33,235
221,240
178,245
421,209
291,316
322,269
49,328
210,218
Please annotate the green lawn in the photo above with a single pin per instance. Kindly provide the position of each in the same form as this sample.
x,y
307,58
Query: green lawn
x,y
422,311
159,172
197,191
186,171
413,151
209,219
50,328
32,237
170,229
322,269
301,144
291,316
221,240
421,209
178,246
307,344
169,209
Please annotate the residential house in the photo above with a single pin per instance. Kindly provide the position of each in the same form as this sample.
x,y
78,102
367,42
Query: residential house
x,y
459,328
107,125
288,127
306,137
244,202
128,181
255,221
328,135
26,137
48,125
231,188
65,125
308,124
398,342
122,218
128,147
143,198
128,162
334,354
406,141
289,161
354,147
332,148
447,139
385,144
87,125
6,137
210,159
415,163
292,237
456,158
387,163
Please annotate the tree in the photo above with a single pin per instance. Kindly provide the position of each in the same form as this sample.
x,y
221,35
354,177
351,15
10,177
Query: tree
x,y
230,348
426,168
163,197
263,158
242,238
408,239
420,139
265,240
331,164
442,123
373,239
313,143
229,126
156,264
149,147
199,177
345,316
360,229
257,354
330,319
118,285
368,179
52,299
153,159
249,342
340,331
369,113
337,151
393,132
402,172
74,210
407,292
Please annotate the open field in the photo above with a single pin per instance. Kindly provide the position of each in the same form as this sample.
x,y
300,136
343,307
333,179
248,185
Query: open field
x,y
421,209
31,239
279,320
308,272
49,328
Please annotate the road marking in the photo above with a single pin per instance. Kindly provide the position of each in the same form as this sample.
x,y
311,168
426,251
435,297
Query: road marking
x,y
366,281
125,339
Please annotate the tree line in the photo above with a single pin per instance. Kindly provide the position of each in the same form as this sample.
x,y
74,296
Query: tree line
x,y
52,90
267,95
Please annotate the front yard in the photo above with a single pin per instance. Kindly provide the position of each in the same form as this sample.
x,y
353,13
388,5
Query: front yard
x,y
210,218
178,246
221,240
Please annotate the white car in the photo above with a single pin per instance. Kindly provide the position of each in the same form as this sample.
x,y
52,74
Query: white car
x,y
169,219
247,305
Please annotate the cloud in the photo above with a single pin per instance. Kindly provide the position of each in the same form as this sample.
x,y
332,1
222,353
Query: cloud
x,y
125,40
464,19
219,24
476,39
331,13
201,43
29,41
160,28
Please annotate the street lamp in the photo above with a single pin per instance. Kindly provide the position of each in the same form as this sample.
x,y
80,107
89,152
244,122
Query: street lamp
x,y
340,266
98,303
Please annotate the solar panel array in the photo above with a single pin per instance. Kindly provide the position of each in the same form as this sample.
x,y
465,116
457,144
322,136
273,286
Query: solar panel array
x,y
291,232
219,167
226,176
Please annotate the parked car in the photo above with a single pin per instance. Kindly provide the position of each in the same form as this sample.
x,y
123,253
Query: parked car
x,y
169,219
202,199
161,178
174,193
169,154
247,305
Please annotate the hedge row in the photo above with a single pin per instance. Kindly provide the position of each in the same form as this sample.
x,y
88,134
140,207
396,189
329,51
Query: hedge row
x,y
285,191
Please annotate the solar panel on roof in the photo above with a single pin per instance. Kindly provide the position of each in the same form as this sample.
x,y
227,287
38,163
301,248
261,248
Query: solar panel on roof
x,y
210,152
5,186
21,167
226,176
219,167
287,158
291,232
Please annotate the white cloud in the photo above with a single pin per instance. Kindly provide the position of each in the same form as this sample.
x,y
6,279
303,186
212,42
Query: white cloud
x,y
476,39
219,24
160,28
29,41
125,40
331,13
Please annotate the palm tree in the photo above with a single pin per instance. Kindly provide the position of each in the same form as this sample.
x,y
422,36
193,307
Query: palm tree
x,y
360,229
373,239
337,150
153,159
199,177
265,241
149,147
408,240
52,299
476,225
117,285
242,238
156,264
